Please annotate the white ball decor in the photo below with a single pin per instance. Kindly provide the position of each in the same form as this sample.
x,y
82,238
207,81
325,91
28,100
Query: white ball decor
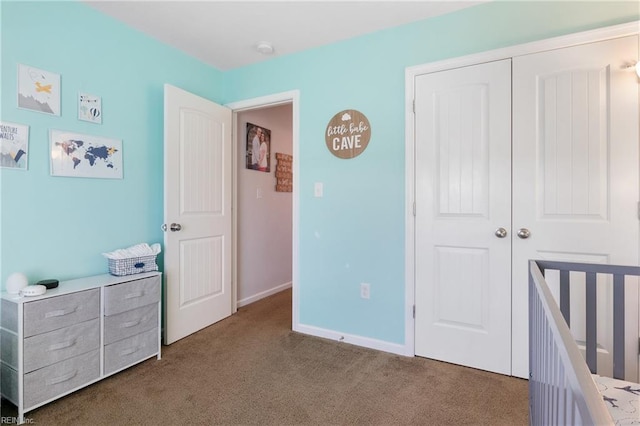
x,y
16,282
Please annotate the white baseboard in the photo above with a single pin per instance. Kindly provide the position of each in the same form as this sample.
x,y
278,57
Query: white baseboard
x,y
366,342
248,300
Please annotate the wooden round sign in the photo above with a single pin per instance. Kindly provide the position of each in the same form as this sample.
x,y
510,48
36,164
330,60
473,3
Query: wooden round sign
x,y
348,134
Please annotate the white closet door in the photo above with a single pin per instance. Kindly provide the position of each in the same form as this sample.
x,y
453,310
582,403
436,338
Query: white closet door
x,y
463,194
575,173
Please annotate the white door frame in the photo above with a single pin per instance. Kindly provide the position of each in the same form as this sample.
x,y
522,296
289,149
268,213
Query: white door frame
x,y
293,98
599,34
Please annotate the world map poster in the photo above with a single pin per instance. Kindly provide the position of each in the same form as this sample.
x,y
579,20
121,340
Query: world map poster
x,y
77,155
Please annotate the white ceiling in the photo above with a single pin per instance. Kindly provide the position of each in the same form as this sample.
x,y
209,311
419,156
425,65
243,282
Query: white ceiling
x,y
224,33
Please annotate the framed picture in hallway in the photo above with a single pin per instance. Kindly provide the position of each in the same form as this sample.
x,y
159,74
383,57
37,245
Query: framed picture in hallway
x,y
258,148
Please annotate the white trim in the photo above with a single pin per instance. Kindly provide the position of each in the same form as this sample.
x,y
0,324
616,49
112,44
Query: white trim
x,y
560,42
600,34
277,289
409,242
292,97
365,342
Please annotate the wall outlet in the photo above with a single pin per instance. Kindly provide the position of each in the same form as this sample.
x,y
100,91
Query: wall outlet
x,y
365,290
318,190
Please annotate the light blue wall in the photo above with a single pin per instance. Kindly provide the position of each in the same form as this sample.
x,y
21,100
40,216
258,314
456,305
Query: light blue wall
x,y
57,227
356,232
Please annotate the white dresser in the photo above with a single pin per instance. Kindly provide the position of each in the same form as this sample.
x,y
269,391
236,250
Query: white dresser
x,y
76,334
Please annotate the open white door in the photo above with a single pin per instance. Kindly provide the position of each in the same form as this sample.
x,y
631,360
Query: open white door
x,y
197,213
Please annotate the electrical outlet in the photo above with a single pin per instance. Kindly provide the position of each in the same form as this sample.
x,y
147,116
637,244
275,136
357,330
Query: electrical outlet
x,y
318,190
365,290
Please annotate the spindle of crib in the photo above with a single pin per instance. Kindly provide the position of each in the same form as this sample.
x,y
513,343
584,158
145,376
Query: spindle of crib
x,y
591,271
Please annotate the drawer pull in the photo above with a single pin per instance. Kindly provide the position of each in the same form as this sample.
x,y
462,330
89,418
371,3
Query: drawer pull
x,y
61,345
134,295
61,312
130,351
131,323
64,378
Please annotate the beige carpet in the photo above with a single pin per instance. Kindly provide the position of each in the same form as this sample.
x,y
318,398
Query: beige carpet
x,y
252,369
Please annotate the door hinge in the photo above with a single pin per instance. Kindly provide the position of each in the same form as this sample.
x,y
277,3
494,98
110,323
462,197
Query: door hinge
x,y
414,311
414,209
414,106
638,209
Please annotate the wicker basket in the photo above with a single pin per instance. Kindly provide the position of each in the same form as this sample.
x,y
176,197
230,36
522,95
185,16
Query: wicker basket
x,y
132,265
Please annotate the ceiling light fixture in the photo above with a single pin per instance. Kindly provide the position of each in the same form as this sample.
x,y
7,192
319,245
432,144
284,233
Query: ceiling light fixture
x,y
264,47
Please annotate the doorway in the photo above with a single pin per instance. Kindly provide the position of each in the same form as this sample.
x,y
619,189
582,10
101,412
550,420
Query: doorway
x,y
264,215
257,189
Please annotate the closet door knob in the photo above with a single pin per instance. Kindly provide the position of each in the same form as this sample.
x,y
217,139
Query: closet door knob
x,y
524,233
501,232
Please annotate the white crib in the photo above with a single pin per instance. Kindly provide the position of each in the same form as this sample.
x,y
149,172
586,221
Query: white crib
x,y
563,386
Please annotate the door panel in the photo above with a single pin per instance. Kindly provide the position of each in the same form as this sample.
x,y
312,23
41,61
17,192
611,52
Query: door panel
x,y
576,180
463,194
198,198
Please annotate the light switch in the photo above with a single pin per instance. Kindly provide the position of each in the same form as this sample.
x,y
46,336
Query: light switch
x,y
259,193
318,189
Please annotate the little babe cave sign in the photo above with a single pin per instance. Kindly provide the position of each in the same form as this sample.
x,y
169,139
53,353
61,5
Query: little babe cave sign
x,y
348,134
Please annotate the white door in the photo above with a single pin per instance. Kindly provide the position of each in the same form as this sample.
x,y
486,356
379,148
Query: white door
x,y
463,196
197,213
575,179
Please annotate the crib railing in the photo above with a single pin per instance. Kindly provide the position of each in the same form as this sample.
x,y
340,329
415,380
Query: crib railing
x,y
561,390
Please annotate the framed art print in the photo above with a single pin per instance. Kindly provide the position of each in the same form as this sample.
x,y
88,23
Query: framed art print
x,y
78,155
89,108
14,145
38,90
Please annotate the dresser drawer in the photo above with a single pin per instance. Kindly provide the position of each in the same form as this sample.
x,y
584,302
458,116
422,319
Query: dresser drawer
x,y
9,348
45,315
9,383
54,380
58,345
130,323
124,297
9,315
131,350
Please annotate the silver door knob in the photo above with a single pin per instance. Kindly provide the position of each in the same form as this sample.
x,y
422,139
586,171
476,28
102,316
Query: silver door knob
x,y
524,233
175,227
501,232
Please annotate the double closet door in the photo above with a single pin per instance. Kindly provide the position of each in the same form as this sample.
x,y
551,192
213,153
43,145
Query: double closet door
x,y
531,157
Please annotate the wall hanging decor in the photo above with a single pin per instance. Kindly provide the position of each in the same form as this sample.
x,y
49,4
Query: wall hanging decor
x,y
14,145
77,155
348,134
89,108
284,172
258,148
38,90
